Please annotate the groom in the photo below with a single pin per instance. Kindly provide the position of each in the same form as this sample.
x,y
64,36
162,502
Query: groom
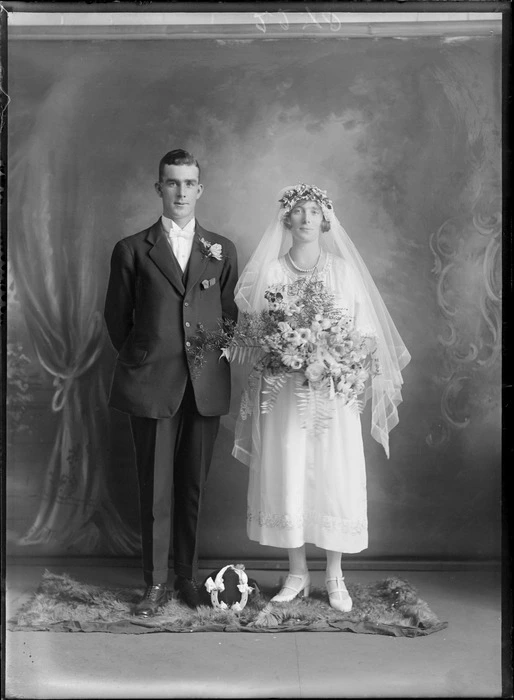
x,y
163,282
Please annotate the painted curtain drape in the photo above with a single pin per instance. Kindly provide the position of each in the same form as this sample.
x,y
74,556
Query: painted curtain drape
x,y
52,249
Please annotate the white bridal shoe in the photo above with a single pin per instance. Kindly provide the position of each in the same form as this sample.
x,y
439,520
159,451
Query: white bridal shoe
x,y
295,585
338,594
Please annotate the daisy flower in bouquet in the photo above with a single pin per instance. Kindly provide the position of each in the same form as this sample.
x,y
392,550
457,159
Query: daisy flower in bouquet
x,y
301,331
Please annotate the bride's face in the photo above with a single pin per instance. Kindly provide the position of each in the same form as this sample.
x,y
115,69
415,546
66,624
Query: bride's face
x,y
306,218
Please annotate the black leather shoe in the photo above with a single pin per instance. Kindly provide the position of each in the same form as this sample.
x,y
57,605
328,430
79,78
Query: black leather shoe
x,y
154,598
187,591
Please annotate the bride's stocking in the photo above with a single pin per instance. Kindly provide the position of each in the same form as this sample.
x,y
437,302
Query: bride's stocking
x,y
334,564
297,560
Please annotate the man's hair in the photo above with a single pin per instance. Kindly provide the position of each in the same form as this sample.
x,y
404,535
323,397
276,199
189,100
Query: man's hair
x,y
178,157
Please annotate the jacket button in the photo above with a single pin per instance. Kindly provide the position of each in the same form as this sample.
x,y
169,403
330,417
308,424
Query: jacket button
x,y
188,344
186,303
187,324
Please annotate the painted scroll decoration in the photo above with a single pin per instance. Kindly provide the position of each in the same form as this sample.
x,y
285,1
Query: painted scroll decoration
x,y
467,253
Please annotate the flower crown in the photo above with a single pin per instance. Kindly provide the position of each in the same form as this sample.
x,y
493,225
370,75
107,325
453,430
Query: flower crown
x,y
295,194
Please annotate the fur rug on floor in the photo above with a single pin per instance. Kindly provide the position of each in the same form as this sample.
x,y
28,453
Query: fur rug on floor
x,y
62,604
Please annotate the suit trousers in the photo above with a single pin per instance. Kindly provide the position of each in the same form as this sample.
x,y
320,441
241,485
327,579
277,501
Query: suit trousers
x,y
173,457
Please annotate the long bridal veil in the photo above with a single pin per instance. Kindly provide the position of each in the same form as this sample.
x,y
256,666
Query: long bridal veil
x,y
385,388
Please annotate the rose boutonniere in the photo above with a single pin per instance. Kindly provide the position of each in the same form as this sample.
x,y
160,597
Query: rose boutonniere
x,y
211,250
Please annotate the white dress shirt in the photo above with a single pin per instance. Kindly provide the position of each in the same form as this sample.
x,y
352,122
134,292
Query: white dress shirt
x,y
181,239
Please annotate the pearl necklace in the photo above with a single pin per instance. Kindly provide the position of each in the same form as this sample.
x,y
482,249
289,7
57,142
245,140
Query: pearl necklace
x,y
303,269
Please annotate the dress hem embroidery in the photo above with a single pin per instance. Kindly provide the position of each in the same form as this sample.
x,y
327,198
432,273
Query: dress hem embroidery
x,y
288,521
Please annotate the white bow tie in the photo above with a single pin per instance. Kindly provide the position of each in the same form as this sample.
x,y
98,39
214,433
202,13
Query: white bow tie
x,y
181,234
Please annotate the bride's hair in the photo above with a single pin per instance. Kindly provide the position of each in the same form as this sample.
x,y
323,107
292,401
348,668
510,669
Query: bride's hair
x,y
291,196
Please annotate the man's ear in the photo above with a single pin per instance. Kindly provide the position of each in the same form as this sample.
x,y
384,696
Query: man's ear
x,y
158,188
200,190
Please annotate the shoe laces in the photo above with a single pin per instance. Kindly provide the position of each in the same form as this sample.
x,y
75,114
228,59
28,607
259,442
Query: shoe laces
x,y
152,592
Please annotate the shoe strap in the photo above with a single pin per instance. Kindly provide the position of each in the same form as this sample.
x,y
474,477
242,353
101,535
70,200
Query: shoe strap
x,y
338,589
300,576
290,584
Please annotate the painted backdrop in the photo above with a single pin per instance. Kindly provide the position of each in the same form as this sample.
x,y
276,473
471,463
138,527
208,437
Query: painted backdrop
x,y
404,135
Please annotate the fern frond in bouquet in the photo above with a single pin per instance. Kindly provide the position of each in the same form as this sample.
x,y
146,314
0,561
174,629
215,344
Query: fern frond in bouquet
x,y
304,331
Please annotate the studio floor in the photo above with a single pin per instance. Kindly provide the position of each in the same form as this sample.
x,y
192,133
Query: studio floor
x,y
464,660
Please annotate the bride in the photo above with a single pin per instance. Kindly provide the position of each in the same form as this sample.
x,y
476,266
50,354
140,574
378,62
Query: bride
x,y
307,487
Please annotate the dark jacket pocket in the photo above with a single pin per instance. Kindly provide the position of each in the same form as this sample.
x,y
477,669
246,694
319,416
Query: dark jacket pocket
x,y
132,356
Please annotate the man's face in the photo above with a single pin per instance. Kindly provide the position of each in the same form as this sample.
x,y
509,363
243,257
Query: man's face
x,y
179,189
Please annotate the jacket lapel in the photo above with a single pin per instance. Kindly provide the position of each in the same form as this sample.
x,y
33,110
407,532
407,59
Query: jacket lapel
x,y
197,261
162,255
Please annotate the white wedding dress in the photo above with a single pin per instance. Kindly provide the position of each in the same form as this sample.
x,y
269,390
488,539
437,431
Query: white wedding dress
x,y
306,487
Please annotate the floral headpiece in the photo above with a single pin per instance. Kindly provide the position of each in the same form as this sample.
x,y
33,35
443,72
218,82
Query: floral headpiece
x,y
295,194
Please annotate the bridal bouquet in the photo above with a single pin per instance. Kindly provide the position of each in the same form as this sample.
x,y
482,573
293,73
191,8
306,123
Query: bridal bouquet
x,y
303,331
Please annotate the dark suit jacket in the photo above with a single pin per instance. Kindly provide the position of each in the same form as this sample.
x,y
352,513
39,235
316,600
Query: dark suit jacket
x,y
150,314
